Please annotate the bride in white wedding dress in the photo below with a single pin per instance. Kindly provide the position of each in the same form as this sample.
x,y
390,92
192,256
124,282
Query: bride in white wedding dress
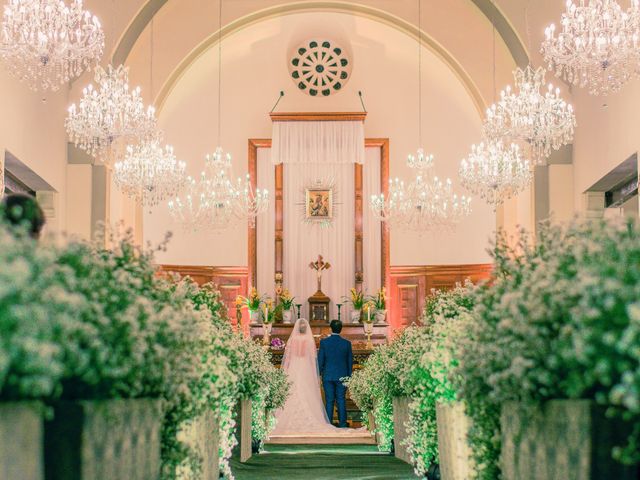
x,y
304,413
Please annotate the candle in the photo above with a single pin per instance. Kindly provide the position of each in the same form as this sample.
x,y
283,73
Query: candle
x,y
369,314
266,314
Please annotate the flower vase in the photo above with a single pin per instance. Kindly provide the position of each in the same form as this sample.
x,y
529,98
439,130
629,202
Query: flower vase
x,y
355,316
254,316
266,340
287,316
381,316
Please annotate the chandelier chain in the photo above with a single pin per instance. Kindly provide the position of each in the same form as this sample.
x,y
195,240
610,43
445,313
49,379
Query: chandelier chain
x,y
219,70
419,72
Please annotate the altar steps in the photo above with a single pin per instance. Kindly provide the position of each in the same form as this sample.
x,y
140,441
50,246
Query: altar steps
x,y
362,439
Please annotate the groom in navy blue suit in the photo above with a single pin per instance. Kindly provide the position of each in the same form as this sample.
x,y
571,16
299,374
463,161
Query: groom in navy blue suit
x,y
335,361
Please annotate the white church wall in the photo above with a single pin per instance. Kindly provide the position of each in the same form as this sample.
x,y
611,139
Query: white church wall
x,y
32,129
255,70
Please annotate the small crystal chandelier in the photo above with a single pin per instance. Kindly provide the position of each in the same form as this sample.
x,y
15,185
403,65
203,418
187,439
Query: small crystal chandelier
x,y
597,47
213,202
495,172
208,202
110,116
542,122
426,203
46,43
149,174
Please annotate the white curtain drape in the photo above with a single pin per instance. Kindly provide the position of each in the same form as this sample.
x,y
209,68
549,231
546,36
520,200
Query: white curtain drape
x,y
303,242
318,142
371,226
266,226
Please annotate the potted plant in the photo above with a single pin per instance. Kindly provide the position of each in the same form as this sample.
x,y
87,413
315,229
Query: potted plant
x,y
550,360
253,302
356,299
380,303
286,300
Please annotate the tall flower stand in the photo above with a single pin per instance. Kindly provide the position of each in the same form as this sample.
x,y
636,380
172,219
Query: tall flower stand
x,y
21,441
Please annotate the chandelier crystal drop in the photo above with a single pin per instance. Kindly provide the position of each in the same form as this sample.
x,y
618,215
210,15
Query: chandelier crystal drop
x,y
596,46
541,122
150,174
495,172
110,116
213,202
47,43
427,203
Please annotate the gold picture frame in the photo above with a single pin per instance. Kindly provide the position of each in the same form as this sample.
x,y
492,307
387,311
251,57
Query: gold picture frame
x,y
318,204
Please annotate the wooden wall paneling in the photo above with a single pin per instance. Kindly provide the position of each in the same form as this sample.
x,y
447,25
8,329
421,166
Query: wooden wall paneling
x,y
358,187
252,255
279,240
318,116
410,286
231,281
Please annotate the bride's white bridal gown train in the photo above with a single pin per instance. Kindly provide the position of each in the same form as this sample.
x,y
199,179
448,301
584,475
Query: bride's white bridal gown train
x,y
304,413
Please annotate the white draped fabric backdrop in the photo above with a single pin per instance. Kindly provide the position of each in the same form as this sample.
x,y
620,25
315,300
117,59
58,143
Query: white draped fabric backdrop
x,y
326,152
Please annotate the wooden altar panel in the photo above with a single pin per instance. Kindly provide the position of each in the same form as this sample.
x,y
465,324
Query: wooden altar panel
x,y
410,286
231,281
382,143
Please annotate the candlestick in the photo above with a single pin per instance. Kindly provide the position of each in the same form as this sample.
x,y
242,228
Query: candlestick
x,y
339,305
299,305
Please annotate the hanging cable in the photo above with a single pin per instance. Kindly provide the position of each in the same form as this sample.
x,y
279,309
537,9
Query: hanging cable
x,y
219,68
420,73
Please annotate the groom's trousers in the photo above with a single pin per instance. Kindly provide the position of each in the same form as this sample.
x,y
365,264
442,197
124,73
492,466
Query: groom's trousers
x,y
336,392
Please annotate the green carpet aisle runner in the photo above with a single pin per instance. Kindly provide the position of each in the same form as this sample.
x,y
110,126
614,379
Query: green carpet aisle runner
x,y
322,462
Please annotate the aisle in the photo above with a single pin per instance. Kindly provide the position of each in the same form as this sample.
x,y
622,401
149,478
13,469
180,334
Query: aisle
x,y
322,462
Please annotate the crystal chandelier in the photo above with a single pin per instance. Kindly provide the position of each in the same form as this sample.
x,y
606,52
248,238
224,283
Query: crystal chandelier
x,y
213,202
426,203
149,173
495,172
110,116
597,47
542,122
46,43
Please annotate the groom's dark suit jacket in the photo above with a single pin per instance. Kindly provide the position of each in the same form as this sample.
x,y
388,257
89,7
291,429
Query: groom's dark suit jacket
x,y
335,358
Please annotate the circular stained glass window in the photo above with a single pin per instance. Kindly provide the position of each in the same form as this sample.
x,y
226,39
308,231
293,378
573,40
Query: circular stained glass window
x,y
320,68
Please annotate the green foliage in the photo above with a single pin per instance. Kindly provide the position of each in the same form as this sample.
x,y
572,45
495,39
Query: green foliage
x,y
561,321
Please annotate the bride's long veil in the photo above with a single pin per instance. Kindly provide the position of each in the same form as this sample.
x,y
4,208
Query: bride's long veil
x,y
304,410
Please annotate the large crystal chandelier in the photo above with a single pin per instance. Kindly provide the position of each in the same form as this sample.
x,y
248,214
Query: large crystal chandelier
x,y
541,120
149,174
110,116
47,43
213,202
597,46
495,172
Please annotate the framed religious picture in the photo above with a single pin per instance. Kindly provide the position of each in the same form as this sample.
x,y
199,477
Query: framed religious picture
x,y
318,204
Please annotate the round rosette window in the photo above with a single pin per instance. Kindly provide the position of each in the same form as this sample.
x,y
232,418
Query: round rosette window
x,y
320,68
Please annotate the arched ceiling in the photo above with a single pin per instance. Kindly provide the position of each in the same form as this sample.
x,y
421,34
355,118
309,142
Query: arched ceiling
x,y
487,7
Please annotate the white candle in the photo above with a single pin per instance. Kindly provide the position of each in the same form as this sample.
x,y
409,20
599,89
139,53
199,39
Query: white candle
x,y
266,314
369,314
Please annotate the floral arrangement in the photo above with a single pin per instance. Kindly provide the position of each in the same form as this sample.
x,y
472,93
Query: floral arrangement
x,y
559,322
380,299
252,301
285,298
277,344
81,322
417,364
356,298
